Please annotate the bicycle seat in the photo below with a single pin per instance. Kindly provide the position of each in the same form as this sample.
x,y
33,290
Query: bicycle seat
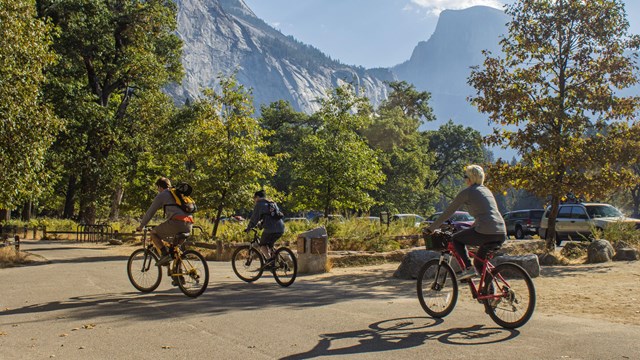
x,y
180,238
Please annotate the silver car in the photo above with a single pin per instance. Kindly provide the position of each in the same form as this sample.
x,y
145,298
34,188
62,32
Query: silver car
x,y
576,221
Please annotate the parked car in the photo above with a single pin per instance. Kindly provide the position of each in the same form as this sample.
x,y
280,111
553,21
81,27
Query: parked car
x,y
459,219
409,219
523,222
373,219
575,221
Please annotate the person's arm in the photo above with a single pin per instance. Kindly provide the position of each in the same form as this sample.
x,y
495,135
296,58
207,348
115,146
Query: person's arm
x,y
255,217
453,206
155,205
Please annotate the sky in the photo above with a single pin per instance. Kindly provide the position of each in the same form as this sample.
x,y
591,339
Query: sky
x,y
371,33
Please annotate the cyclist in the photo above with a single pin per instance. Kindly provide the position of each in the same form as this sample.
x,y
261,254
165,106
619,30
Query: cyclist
x,y
177,221
489,225
273,227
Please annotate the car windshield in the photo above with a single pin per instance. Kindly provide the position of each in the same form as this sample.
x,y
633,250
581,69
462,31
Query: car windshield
x,y
597,211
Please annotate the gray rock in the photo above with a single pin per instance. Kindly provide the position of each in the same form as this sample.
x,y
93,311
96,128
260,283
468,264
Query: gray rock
x,y
412,262
549,259
529,263
626,254
115,242
599,251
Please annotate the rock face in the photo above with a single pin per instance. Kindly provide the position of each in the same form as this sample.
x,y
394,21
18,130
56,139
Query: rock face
x,y
412,262
442,64
528,262
225,36
599,251
626,254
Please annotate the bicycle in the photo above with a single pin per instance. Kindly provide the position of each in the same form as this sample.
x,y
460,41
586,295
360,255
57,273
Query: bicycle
x,y
506,290
249,263
188,268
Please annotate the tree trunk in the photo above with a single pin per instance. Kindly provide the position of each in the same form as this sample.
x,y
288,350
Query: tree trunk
x,y
635,193
5,215
216,222
26,211
116,200
69,202
551,225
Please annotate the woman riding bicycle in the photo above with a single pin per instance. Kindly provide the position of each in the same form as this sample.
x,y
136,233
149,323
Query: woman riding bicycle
x,y
489,225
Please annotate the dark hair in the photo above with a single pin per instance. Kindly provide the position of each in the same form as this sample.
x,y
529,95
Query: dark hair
x,y
164,183
260,194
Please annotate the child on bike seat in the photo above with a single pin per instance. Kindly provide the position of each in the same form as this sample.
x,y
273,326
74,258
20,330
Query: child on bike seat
x,y
488,227
273,227
177,221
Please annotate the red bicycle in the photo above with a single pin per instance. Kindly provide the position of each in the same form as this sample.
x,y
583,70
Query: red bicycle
x,y
506,290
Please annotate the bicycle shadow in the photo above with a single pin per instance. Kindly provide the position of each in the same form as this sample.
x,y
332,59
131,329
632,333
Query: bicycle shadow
x,y
402,333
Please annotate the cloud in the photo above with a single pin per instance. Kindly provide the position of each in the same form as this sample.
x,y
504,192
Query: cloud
x,y
435,7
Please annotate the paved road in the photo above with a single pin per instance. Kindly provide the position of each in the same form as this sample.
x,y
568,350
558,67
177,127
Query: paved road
x,y
81,306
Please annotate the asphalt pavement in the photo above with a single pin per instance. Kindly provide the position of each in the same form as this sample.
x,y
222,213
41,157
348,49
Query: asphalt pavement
x,y
80,305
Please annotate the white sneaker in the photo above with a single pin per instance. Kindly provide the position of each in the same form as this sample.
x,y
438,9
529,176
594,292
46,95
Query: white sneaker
x,y
467,273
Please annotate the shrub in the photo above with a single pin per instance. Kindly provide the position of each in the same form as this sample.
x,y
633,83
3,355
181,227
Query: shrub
x,y
620,234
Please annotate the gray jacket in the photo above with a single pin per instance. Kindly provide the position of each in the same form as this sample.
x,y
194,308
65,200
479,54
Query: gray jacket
x,y
481,205
261,212
161,201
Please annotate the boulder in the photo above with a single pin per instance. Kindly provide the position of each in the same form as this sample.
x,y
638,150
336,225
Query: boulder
x,y
599,251
529,263
115,242
412,262
549,259
626,254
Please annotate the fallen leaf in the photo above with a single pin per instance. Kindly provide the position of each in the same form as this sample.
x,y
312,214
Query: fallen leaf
x,y
75,329
166,347
63,335
81,347
2,333
89,326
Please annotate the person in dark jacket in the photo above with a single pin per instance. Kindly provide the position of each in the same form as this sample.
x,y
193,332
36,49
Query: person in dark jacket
x,y
273,228
488,227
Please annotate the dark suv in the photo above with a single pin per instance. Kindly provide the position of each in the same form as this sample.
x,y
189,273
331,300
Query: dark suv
x,y
523,222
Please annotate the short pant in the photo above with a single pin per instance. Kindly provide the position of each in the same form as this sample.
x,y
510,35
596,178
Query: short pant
x,y
171,228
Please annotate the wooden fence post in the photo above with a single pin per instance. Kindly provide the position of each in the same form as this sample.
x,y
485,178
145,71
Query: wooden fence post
x,y
16,241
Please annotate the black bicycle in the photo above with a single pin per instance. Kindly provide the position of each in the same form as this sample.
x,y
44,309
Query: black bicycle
x,y
249,263
188,269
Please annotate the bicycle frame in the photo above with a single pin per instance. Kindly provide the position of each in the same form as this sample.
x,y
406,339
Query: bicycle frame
x,y
487,268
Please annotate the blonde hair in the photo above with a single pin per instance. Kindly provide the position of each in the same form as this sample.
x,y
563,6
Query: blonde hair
x,y
475,174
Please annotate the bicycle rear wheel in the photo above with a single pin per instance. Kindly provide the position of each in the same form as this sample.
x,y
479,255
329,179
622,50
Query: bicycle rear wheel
x,y
192,273
247,263
285,268
516,295
142,270
437,288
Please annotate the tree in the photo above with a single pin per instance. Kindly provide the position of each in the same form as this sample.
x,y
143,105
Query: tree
x,y
335,167
413,103
558,83
28,125
111,52
225,149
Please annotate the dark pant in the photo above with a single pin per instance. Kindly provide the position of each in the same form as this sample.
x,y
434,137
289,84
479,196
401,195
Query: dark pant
x,y
471,237
269,238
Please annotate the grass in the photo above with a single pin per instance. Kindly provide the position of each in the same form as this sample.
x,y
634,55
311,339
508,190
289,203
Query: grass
x,y
10,257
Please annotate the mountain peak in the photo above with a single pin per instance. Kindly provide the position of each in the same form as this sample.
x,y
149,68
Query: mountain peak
x,y
237,7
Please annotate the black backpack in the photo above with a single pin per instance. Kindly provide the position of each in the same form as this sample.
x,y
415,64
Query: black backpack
x,y
182,195
274,211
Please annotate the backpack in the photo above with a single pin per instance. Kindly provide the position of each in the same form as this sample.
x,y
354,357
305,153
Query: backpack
x,y
181,194
274,212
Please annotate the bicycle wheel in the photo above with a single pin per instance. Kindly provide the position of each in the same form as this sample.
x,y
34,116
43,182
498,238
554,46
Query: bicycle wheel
x,y
142,270
247,263
437,288
192,273
285,268
517,296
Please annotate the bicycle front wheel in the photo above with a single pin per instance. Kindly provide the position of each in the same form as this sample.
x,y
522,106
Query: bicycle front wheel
x,y
515,295
142,270
192,273
285,268
247,263
437,288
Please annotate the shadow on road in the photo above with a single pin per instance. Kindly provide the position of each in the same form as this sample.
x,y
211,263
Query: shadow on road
x,y
403,333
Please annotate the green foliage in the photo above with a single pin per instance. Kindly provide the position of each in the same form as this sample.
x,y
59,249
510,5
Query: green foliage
x,y
111,53
619,234
28,125
559,83
335,168
225,149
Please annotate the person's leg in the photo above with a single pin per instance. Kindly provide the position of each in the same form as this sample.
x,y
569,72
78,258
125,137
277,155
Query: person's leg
x,y
488,242
266,244
461,239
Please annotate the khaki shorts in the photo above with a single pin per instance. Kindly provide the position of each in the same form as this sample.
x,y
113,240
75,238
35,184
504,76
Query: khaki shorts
x,y
170,228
